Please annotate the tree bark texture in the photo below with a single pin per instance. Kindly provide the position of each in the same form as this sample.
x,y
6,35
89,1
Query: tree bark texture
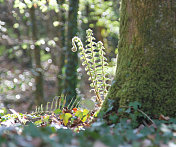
x,y
146,66
39,94
61,44
70,82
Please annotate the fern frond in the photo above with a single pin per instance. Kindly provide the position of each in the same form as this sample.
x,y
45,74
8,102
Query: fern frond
x,y
86,61
103,62
95,62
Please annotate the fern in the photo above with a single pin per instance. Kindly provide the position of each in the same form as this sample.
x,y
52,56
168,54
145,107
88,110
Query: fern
x,y
93,58
58,102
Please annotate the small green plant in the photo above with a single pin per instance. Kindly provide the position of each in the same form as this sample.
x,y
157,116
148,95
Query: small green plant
x,y
95,62
70,114
57,104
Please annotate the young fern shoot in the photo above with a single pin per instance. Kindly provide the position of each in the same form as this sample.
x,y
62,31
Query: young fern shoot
x,y
102,74
93,58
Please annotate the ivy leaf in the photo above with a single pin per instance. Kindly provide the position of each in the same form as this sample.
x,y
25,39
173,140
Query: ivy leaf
x,y
32,130
135,105
113,118
128,110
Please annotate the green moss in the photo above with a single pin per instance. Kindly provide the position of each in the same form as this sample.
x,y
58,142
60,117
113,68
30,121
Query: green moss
x,y
146,66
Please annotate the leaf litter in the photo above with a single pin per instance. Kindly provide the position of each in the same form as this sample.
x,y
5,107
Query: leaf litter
x,y
78,127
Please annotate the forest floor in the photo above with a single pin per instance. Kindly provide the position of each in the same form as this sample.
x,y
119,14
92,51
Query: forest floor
x,y
70,127
80,128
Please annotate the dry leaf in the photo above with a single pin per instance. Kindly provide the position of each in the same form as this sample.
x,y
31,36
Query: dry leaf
x,y
162,117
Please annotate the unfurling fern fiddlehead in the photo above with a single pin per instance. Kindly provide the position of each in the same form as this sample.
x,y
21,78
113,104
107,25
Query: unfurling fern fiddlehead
x,y
93,58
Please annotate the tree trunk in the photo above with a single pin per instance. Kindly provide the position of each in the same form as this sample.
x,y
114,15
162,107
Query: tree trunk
x,y
70,82
39,95
61,43
146,66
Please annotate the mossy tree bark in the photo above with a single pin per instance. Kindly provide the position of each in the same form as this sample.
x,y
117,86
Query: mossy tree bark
x,y
70,82
39,93
146,66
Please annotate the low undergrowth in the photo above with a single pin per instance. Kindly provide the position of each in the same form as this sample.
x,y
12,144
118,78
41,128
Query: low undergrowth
x,y
80,127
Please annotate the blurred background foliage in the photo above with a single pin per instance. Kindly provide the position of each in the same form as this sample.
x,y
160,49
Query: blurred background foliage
x,y
36,62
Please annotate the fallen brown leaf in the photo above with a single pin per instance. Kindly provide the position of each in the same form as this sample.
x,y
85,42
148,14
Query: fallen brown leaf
x,y
162,117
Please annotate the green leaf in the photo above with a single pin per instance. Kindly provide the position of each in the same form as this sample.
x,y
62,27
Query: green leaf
x,y
84,118
46,118
66,118
113,118
57,111
85,112
128,110
79,114
32,130
135,105
62,116
38,122
88,104
3,111
84,63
